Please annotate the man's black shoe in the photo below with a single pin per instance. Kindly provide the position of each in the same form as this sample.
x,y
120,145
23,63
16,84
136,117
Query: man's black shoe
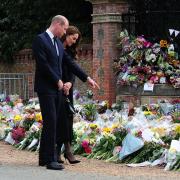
x,y
55,166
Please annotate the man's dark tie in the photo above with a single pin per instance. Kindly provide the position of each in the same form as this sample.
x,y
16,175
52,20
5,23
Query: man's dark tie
x,y
54,40
55,44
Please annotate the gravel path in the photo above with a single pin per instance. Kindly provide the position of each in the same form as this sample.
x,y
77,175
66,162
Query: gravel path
x,y
17,165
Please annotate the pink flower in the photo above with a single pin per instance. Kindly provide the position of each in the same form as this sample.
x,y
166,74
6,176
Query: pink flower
x,y
147,44
154,79
85,144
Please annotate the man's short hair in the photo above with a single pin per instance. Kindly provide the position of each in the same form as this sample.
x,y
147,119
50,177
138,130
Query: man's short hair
x,y
59,18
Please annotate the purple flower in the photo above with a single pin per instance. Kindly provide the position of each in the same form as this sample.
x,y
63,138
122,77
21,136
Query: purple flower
x,y
7,99
77,96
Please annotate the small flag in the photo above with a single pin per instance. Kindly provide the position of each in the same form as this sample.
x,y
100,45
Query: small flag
x,y
171,31
176,33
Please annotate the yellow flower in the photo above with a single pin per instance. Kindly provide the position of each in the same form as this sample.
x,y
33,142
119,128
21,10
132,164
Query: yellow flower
x,y
177,129
160,130
106,129
93,126
17,118
148,113
107,104
38,117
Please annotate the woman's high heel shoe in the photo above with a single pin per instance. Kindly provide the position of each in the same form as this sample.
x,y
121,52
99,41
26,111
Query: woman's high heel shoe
x,y
71,162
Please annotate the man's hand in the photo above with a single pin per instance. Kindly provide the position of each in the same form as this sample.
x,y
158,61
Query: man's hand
x,y
67,86
60,85
92,83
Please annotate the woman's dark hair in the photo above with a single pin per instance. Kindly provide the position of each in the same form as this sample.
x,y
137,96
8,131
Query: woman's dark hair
x,y
71,31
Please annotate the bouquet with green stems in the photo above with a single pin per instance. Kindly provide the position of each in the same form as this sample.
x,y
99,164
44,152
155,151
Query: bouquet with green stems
x,y
176,164
89,112
146,153
103,150
105,147
31,139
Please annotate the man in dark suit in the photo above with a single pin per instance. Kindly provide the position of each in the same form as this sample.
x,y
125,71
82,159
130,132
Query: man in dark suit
x,y
49,52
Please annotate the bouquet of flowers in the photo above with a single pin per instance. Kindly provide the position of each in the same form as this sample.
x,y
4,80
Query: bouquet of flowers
x,y
141,61
18,133
31,138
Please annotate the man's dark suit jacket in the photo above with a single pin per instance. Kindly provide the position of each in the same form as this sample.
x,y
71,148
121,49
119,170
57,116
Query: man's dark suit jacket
x,y
49,65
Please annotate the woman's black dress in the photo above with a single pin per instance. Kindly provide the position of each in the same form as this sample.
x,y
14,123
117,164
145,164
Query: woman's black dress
x,y
66,124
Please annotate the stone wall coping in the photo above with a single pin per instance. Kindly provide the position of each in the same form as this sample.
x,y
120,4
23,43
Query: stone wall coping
x,y
107,1
81,46
159,90
107,18
24,51
105,14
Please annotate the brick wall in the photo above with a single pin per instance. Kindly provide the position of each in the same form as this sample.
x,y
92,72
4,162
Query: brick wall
x,y
24,63
85,55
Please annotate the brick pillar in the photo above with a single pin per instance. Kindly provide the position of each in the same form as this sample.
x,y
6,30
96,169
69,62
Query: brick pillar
x,y
107,23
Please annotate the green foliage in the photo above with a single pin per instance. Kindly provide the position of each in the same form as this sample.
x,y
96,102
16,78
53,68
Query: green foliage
x,y
27,124
168,139
21,20
176,164
90,112
118,105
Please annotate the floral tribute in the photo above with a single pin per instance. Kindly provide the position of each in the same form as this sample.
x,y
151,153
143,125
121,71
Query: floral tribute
x,y
20,123
141,61
121,133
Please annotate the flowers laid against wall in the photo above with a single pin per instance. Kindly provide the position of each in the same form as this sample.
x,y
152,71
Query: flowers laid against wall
x,y
141,61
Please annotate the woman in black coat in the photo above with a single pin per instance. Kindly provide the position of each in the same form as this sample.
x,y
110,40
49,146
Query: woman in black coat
x,y
70,42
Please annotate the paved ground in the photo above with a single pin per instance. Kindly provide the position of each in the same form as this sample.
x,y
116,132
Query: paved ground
x,y
8,172
22,165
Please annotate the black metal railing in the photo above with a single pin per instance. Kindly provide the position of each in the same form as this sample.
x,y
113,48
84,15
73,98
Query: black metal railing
x,y
17,83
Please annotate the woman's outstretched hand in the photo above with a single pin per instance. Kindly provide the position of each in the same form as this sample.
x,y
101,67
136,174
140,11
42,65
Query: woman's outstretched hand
x,y
92,83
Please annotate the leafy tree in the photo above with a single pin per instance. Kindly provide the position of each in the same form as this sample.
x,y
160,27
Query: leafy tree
x,y
21,20
155,17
